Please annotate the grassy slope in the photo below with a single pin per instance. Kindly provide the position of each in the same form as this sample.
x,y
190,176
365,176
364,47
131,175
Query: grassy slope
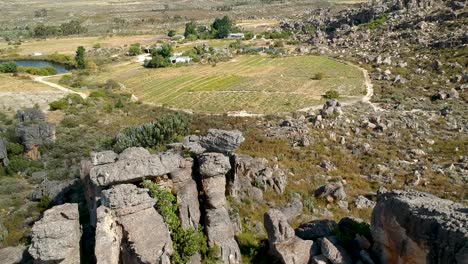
x,y
9,83
255,84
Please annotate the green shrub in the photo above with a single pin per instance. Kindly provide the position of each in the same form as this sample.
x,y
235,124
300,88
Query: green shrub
x,y
18,164
157,61
135,49
161,131
66,80
112,85
376,22
332,94
119,104
171,33
8,67
186,242
58,105
319,76
15,149
98,93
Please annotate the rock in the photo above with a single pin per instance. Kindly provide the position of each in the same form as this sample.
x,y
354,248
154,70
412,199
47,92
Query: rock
x,y
335,254
14,255
365,257
316,229
219,229
33,131
287,247
320,259
187,195
127,212
335,191
331,108
363,203
56,191
327,165
134,153
222,141
56,237
292,209
213,164
3,152
135,167
39,176
104,157
415,227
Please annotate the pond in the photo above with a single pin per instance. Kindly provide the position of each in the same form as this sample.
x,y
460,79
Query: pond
x,y
41,64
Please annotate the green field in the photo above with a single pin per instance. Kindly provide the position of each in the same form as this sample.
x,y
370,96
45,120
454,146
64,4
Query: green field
x,y
256,84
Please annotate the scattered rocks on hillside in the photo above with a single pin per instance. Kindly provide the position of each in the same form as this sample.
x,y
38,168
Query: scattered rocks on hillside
x,y
56,237
33,131
284,244
331,108
222,141
3,152
429,228
364,203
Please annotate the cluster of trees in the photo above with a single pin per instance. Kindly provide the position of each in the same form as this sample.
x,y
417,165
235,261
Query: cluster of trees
x,y
11,67
160,57
162,131
74,27
8,67
220,28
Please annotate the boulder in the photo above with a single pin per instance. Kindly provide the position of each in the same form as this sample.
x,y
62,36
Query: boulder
x,y
134,153
331,108
54,190
416,227
222,141
14,255
334,253
287,247
3,152
33,130
213,164
129,225
132,168
331,191
104,157
363,203
316,229
56,237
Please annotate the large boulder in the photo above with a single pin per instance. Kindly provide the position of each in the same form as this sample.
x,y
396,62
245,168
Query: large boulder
x,y
128,224
287,247
316,229
133,168
415,227
14,255
3,152
33,131
334,253
56,237
54,190
222,141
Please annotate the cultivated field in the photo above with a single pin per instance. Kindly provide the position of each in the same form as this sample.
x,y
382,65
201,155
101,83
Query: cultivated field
x,y
256,84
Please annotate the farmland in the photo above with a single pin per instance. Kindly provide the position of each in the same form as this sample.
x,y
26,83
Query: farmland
x,y
256,84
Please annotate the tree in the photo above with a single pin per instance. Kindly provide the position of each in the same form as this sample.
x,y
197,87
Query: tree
x,y
8,67
72,28
80,58
135,49
190,29
157,61
165,51
222,27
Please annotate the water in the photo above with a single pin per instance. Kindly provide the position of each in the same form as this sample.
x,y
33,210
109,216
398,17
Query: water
x,y
41,64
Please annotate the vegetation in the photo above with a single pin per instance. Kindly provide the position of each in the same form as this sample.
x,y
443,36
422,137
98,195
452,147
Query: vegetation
x,y
135,49
8,67
80,58
332,94
376,22
160,57
186,242
221,27
73,27
162,131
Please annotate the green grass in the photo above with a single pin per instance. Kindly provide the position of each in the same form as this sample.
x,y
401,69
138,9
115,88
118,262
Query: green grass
x,y
256,84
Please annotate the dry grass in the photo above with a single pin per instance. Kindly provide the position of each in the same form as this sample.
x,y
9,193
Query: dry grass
x,y
12,84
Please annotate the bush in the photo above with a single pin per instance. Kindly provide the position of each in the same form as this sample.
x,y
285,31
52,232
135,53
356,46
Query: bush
x,y
186,242
162,131
58,105
18,164
97,94
8,67
319,76
157,61
135,49
66,80
171,33
112,85
38,71
15,149
376,22
332,94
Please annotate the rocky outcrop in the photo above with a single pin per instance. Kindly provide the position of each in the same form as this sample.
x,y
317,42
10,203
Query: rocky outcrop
x,y
3,152
33,131
415,227
331,192
222,141
316,229
135,166
53,190
14,255
104,157
219,229
287,247
56,237
129,226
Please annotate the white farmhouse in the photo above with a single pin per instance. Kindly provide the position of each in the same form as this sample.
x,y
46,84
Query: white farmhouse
x,y
180,59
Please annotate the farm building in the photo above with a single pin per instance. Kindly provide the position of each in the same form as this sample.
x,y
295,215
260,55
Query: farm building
x,y
180,59
236,36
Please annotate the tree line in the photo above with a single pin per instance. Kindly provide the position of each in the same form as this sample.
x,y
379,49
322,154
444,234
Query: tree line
x,y
74,27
